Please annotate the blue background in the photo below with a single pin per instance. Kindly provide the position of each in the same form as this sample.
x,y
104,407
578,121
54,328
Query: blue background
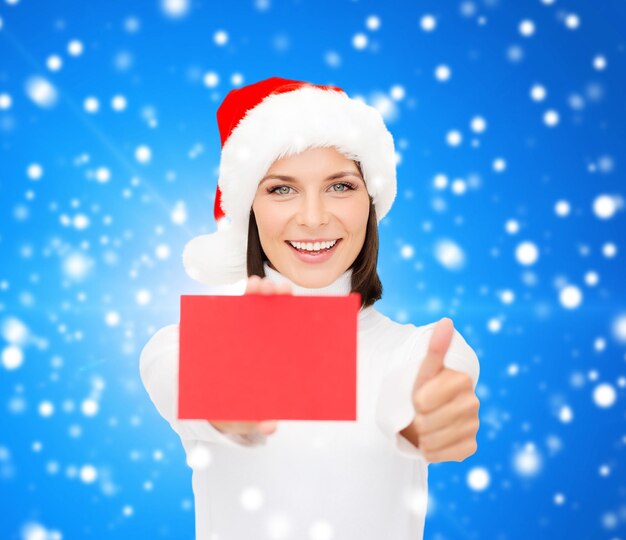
x,y
90,269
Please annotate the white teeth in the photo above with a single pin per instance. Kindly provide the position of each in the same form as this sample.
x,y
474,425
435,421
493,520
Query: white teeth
x,y
309,246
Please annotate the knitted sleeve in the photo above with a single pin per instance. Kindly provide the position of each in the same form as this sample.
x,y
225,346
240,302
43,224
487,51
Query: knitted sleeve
x,y
158,366
394,409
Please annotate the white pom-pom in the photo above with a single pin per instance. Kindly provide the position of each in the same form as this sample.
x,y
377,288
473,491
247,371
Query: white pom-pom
x,y
218,258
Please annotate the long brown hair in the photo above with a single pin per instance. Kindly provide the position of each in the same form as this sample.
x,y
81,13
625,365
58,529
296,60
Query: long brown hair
x,y
365,278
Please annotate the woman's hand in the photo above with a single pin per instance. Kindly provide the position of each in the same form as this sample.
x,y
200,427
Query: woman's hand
x,y
446,407
256,285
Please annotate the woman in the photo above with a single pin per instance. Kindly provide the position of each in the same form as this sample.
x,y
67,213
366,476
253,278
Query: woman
x,y
303,164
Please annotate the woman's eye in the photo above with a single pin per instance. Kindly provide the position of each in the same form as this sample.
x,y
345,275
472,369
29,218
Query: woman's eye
x,y
275,190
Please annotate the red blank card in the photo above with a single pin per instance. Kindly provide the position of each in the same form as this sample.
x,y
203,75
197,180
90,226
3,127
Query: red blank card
x,y
268,357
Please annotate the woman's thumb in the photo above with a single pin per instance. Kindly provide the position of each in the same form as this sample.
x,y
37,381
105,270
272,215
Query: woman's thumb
x,y
267,427
439,343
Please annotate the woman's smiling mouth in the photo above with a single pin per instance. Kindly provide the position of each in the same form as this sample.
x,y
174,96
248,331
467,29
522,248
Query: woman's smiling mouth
x,y
321,255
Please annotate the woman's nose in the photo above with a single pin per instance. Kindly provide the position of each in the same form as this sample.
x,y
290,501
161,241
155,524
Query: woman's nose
x,y
312,211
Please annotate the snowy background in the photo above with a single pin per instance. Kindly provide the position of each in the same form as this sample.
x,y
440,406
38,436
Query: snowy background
x,y
510,124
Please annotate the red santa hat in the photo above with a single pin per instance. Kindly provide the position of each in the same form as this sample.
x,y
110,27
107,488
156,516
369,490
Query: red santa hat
x,y
271,119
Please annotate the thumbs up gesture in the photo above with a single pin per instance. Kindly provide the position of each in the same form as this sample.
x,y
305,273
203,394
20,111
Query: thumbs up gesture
x,y
446,407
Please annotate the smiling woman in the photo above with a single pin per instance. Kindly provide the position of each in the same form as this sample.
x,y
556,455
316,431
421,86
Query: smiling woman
x,y
306,175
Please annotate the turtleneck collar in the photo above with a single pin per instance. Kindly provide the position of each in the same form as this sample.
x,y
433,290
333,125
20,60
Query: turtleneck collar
x,y
340,287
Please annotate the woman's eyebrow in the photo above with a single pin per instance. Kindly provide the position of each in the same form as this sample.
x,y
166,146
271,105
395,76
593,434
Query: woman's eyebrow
x,y
295,180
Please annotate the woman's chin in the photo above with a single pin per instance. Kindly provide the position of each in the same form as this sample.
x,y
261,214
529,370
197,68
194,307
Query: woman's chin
x,y
312,277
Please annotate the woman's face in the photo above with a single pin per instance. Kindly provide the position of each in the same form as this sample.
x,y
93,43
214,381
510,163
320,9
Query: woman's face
x,y
325,199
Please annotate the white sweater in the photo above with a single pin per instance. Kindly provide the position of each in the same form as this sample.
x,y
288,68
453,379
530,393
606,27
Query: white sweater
x,y
317,480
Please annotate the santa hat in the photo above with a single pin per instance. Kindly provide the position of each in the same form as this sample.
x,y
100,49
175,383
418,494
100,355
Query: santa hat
x,y
268,120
